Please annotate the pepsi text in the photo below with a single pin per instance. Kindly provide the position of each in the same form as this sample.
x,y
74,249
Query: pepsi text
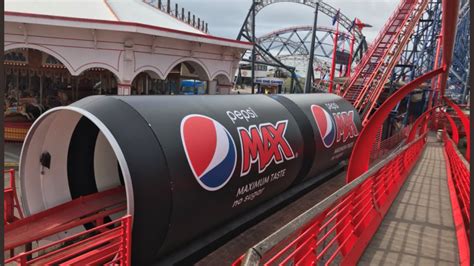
x,y
246,115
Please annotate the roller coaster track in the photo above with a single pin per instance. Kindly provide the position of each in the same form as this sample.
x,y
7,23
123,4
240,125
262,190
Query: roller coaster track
x,y
261,56
330,11
366,85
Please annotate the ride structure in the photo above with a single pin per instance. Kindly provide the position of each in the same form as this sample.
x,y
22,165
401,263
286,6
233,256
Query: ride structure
x,y
418,56
292,46
106,201
366,85
338,229
459,85
260,55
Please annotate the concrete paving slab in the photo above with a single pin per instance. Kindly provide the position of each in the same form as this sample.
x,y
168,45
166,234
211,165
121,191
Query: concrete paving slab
x,y
418,229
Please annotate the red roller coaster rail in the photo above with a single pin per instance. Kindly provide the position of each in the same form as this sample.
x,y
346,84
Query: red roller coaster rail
x,y
365,86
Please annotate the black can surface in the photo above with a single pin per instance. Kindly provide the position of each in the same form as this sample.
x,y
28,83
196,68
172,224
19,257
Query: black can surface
x,y
334,125
189,163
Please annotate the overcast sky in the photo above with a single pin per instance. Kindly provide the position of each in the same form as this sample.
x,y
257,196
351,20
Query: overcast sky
x,y
225,17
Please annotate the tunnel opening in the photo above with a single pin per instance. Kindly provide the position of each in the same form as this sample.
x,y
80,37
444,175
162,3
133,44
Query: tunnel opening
x,y
71,162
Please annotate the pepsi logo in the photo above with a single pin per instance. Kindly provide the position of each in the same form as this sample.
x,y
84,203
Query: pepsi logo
x,y
326,125
210,151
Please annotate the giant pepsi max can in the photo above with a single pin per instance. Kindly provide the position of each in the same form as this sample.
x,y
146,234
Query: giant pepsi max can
x,y
334,126
190,163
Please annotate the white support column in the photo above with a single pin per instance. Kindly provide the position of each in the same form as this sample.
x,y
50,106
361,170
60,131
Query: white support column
x,y
124,89
127,68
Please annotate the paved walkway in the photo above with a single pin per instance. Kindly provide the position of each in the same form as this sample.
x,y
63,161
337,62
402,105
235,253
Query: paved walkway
x,y
418,229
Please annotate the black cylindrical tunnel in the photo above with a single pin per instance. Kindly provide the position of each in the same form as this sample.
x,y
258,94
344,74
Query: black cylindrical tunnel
x,y
331,132
188,163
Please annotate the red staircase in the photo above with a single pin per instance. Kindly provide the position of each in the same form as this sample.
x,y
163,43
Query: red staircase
x,y
365,86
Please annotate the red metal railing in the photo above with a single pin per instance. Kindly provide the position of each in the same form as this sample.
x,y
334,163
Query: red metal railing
x,y
388,144
107,244
338,229
10,200
459,183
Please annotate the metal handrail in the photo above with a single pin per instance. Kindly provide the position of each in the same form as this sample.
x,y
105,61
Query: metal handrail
x,y
254,254
459,183
103,234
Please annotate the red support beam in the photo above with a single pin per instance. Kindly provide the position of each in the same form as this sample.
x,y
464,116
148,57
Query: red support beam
x,y
465,124
360,157
434,84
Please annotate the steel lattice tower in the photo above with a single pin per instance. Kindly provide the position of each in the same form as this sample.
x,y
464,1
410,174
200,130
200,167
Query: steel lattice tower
x,y
458,82
417,58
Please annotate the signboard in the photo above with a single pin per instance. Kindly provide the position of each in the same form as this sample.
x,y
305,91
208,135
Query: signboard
x,y
342,58
248,73
269,81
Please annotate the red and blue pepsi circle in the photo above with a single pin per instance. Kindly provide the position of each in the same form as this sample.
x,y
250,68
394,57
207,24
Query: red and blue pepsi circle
x,y
210,151
326,125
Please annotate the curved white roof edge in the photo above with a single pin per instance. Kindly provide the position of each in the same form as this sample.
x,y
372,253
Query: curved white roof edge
x,y
116,15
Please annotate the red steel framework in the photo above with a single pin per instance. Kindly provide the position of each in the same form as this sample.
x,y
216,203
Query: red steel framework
x,y
11,204
360,157
364,88
306,239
